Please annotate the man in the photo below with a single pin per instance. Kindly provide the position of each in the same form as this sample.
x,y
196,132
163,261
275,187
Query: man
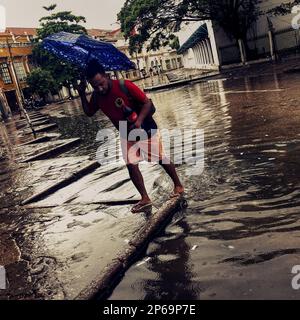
x,y
108,95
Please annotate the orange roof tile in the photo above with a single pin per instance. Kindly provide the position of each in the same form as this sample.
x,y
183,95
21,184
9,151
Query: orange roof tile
x,y
98,32
22,31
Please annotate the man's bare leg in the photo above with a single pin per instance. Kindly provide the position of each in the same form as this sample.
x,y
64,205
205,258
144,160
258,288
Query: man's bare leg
x,y
171,171
138,180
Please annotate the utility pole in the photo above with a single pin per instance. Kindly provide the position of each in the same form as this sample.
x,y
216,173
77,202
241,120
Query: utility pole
x,y
272,40
242,51
18,87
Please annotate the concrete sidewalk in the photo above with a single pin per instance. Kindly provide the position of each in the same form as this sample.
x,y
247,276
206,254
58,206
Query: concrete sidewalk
x,y
61,246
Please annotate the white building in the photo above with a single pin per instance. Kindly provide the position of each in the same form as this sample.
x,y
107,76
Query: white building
x,y
205,45
198,46
164,59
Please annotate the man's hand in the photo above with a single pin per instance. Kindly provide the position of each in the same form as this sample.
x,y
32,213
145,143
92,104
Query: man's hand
x,y
81,87
145,111
137,124
89,107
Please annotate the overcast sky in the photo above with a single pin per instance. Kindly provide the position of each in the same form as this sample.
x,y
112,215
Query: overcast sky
x,y
99,13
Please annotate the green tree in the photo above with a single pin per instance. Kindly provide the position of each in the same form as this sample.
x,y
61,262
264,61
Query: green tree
x,y
41,82
64,73
158,20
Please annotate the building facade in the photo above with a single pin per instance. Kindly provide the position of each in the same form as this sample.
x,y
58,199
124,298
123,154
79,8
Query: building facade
x,y
147,62
15,53
205,45
198,46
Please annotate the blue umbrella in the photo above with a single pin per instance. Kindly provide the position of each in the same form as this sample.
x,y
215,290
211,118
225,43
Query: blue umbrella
x,y
79,49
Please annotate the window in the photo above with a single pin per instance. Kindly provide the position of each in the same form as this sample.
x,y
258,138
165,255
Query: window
x,y
179,62
168,64
4,73
20,70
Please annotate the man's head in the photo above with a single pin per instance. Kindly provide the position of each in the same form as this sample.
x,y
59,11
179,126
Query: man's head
x,y
97,77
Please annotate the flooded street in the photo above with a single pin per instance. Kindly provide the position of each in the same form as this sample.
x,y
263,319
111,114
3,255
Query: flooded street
x,y
239,237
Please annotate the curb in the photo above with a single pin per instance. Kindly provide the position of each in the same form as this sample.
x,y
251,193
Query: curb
x,y
63,183
52,152
181,82
37,140
43,128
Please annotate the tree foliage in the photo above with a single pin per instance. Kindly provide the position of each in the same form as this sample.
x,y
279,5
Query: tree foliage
x,y
63,73
41,82
59,21
157,20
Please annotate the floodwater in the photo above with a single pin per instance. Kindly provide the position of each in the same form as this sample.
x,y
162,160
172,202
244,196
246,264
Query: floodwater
x,y
239,237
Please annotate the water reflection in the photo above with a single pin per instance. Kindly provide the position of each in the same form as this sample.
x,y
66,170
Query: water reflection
x,y
174,272
249,189
243,210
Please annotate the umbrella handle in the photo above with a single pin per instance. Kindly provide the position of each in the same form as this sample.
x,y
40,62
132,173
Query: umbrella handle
x,y
81,87
82,78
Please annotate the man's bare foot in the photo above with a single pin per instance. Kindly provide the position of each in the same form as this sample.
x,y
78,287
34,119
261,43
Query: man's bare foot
x,y
178,191
142,206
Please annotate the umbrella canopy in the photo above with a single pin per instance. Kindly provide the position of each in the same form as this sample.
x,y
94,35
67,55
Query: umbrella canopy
x,y
79,49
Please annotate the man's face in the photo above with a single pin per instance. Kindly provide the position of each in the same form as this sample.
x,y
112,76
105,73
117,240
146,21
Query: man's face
x,y
100,83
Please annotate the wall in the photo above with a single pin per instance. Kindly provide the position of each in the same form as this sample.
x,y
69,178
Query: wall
x,y
226,50
287,39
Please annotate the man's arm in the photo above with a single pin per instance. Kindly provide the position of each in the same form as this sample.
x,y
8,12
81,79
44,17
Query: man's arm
x,y
139,95
89,107
145,110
